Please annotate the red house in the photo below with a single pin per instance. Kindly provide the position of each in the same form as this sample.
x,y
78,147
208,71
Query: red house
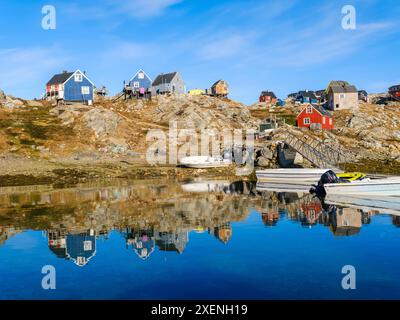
x,y
268,97
313,115
395,92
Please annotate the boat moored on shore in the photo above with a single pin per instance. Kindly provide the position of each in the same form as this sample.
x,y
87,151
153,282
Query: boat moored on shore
x,y
204,162
297,176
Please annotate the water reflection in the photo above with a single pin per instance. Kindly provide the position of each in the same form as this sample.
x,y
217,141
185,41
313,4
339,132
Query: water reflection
x,y
160,216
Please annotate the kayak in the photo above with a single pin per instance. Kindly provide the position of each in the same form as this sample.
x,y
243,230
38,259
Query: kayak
x,y
352,176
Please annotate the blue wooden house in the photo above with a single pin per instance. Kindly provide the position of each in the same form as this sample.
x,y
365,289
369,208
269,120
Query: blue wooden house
x,y
139,86
70,86
306,97
81,248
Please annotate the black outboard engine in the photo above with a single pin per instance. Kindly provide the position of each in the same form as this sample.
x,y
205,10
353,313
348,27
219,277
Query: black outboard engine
x,y
327,177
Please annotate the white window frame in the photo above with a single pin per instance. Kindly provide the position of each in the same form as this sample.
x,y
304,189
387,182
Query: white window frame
x,y
78,77
85,90
330,121
309,110
307,121
141,75
323,120
87,245
342,96
136,84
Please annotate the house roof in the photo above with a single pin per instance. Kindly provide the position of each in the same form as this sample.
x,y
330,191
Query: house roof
x,y
164,78
321,110
60,78
307,94
65,76
141,70
268,94
216,83
344,89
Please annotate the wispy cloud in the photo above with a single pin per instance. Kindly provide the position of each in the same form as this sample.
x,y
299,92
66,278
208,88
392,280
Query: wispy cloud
x,y
225,46
138,9
142,8
22,66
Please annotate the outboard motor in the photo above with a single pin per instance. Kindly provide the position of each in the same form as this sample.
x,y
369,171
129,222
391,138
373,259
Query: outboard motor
x,y
327,177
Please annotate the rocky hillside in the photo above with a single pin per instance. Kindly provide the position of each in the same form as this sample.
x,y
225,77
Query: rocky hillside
x,y
116,128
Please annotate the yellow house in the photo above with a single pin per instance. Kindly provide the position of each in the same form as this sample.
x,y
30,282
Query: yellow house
x,y
197,92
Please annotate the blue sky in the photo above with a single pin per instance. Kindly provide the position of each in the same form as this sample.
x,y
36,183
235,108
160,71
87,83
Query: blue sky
x,y
283,45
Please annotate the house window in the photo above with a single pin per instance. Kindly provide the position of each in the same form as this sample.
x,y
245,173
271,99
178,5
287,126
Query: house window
x,y
85,90
337,106
87,245
141,75
309,110
307,121
330,121
323,120
341,96
78,77
136,84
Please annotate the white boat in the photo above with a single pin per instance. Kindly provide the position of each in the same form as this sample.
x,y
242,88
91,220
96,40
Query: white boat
x,y
297,176
380,187
382,204
203,162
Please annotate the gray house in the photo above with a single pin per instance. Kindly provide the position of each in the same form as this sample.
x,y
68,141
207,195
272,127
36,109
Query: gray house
x,y
341,95
168,83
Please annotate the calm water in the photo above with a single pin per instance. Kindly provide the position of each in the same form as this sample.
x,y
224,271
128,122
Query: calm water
x,y
164,240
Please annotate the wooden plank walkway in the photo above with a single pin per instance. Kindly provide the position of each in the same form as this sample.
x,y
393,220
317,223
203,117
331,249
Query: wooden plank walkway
x,y
314,150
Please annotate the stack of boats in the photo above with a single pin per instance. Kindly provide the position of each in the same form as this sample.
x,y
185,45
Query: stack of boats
x,y
350,183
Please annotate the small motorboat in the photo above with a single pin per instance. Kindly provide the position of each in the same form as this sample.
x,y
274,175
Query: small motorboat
x,y
297,176
204,162
330,183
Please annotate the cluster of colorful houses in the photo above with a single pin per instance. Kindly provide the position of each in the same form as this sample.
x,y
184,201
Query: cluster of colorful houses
x,y
318,105
77,87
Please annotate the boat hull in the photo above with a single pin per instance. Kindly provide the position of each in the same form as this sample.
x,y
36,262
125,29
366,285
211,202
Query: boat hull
x,y
302,176
381,187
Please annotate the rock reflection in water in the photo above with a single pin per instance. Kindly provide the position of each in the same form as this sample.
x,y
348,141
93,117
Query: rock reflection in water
x,y
159,216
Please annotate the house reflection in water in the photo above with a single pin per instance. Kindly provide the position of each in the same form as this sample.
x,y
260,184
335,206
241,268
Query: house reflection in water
x,y
170,241
7,233
346,222
270,213
79,248
270,217
310,212
223,232
396,221
142,242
